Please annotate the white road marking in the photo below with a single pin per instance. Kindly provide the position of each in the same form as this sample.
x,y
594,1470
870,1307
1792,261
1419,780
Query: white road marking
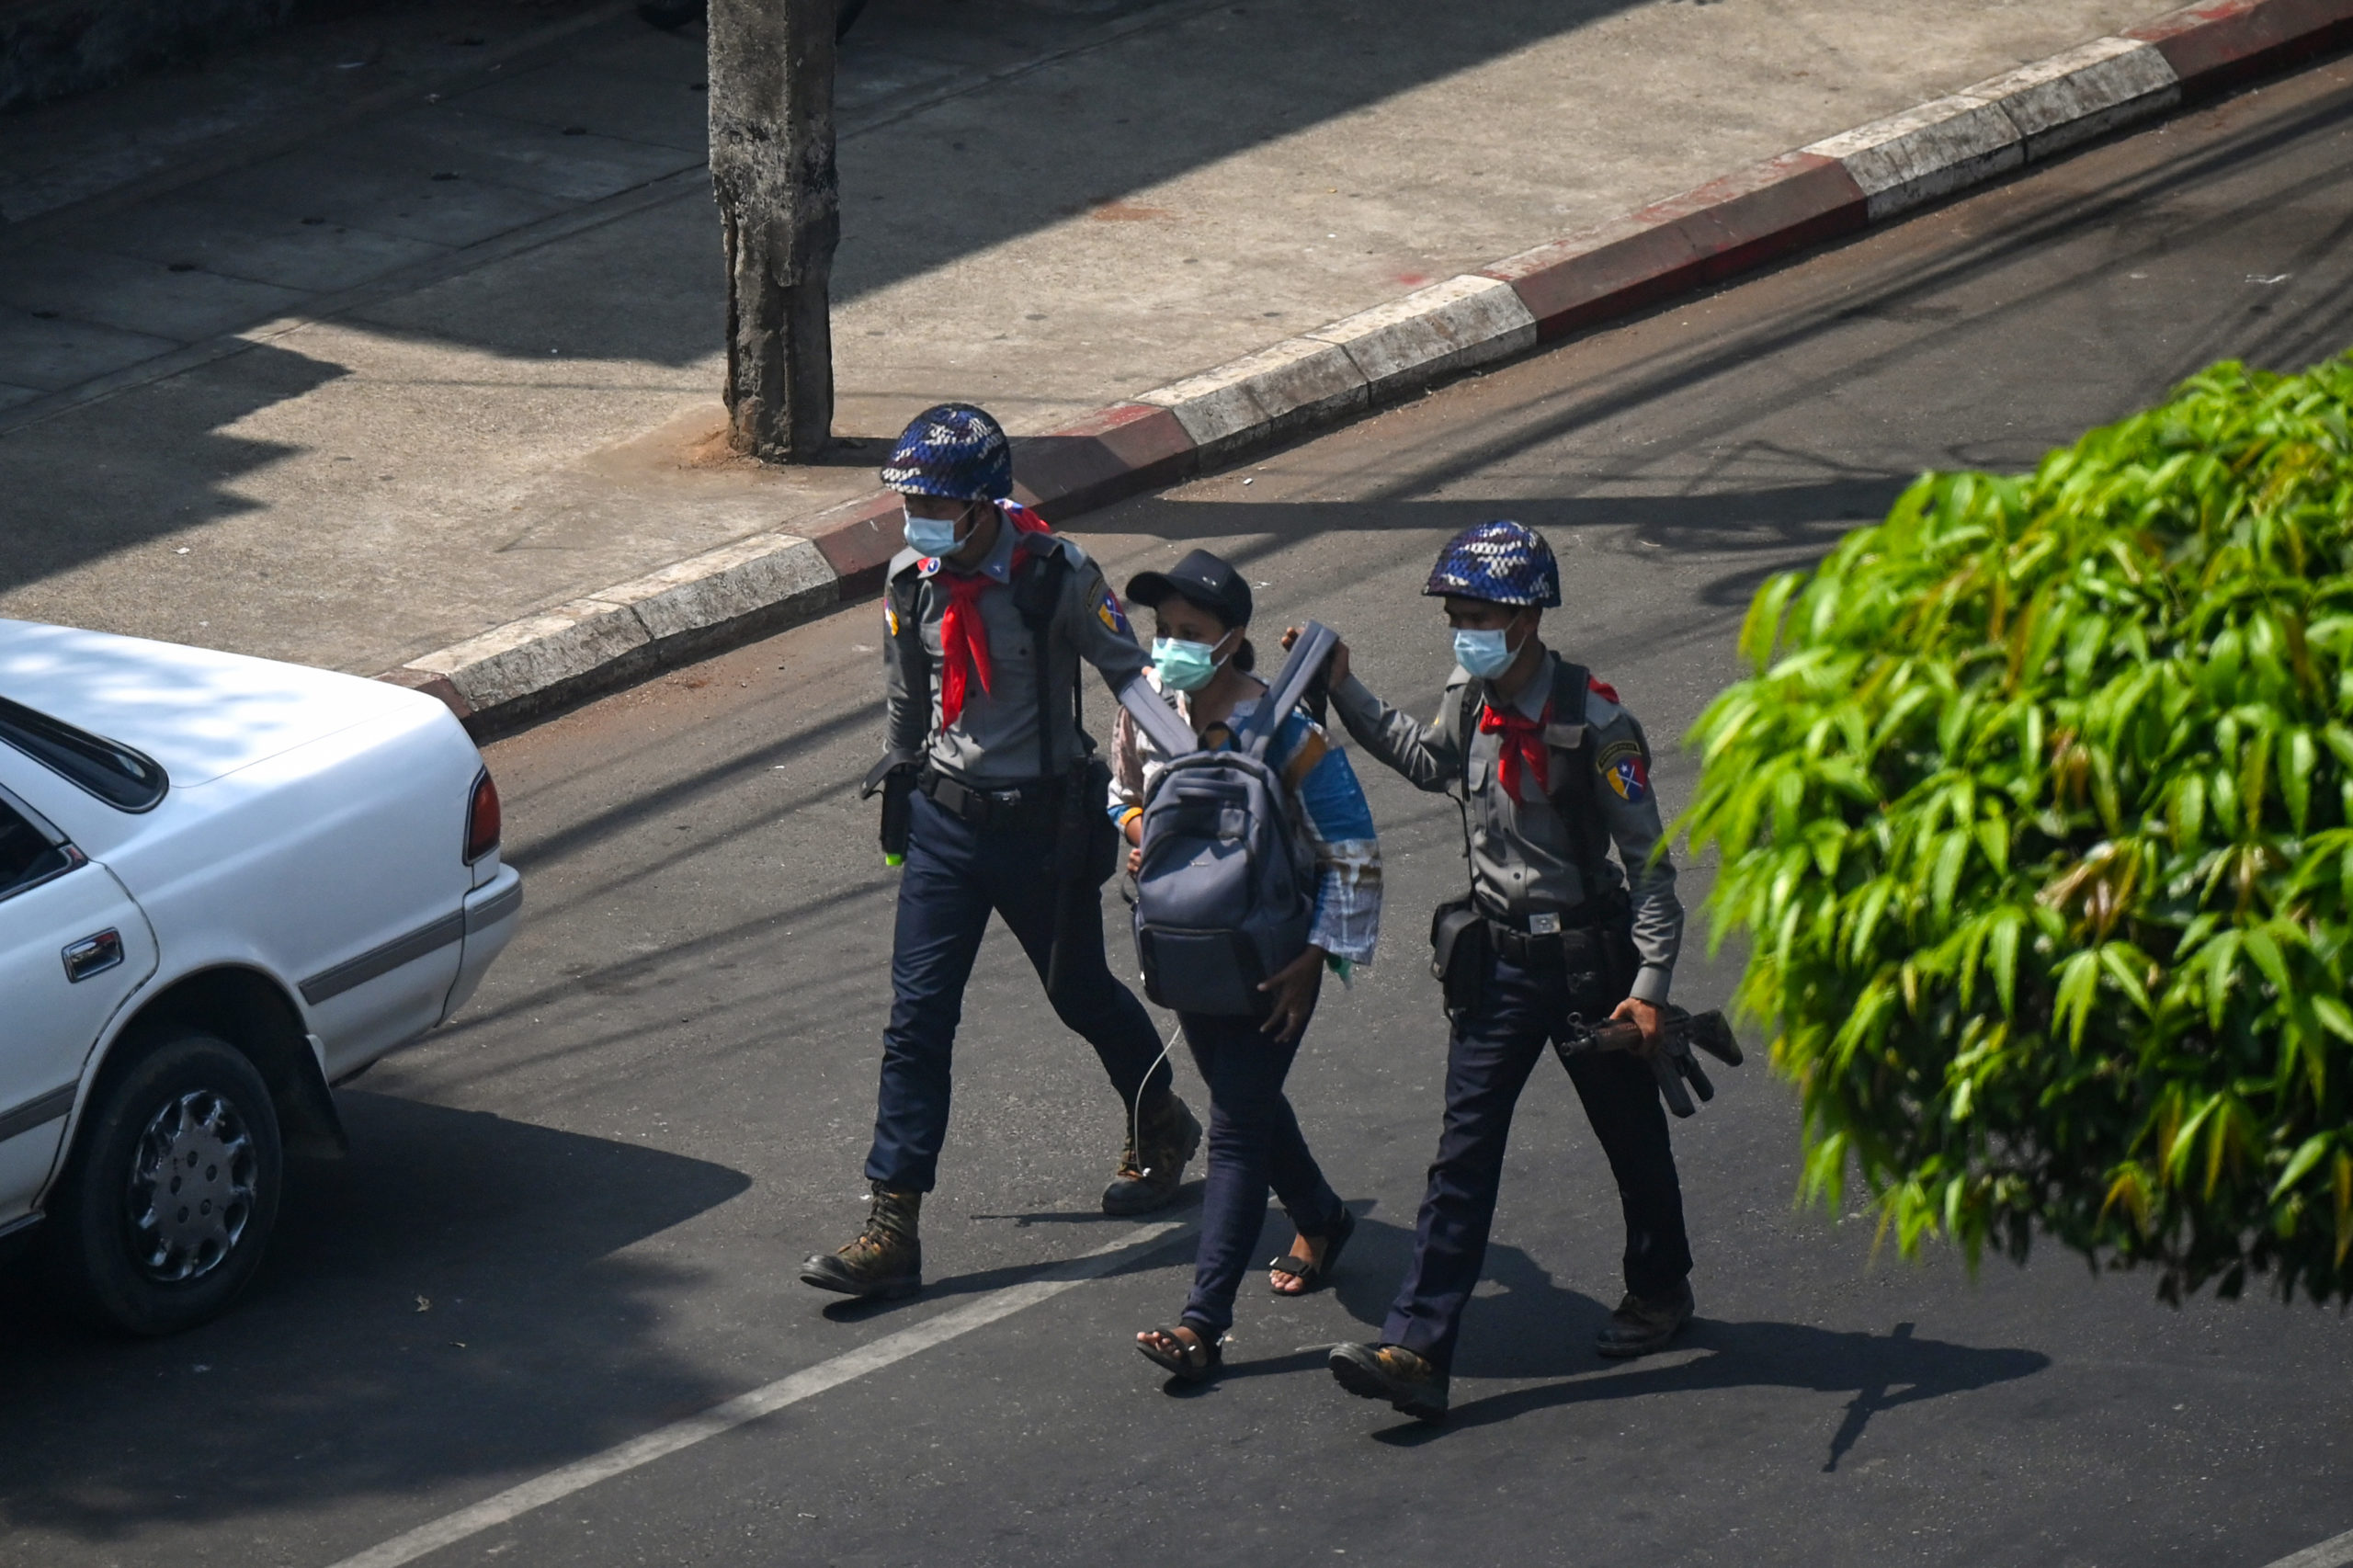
x,y
807,1384
2335,1553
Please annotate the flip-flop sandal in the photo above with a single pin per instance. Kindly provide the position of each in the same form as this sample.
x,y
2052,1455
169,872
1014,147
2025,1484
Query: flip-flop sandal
x,y
1311,1277
1190,1364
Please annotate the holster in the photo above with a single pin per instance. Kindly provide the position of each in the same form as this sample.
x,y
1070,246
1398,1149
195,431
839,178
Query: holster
x,y
1458,954
894,777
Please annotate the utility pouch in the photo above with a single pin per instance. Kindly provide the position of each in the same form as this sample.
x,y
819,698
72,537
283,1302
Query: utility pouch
x,y
1459,953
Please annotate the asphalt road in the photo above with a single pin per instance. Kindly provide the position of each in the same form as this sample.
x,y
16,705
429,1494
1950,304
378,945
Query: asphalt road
x,y
570,1218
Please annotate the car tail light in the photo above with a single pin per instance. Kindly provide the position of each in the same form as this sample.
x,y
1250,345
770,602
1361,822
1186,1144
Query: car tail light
x,y
482,819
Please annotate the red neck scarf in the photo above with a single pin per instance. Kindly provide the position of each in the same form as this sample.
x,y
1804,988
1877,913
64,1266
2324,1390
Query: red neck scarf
x,y
963,636
1523,746
962,639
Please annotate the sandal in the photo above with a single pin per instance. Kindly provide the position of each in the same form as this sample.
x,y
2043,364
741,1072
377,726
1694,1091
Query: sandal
x,y
1311,1277
1190,1363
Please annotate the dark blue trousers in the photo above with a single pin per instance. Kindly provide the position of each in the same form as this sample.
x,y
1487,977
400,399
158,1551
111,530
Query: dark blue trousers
x,y
1488,1061
955,875
1254,1143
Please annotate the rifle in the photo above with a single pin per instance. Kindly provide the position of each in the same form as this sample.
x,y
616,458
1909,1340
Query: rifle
x,y
1674,1062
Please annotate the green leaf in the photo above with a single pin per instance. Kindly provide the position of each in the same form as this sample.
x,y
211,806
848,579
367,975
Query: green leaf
x,y
2315,1148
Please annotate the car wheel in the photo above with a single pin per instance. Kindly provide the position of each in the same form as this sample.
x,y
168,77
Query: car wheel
x,y
163,1214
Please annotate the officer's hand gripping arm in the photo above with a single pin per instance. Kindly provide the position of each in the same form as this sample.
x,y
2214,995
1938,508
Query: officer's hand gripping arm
x,y
1425,754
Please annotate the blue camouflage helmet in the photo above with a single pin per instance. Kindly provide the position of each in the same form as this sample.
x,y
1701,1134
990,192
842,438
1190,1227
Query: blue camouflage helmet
x,y
953,450
1502,561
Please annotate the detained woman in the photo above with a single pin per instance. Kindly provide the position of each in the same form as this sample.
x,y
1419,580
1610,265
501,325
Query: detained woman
x,y
1202,657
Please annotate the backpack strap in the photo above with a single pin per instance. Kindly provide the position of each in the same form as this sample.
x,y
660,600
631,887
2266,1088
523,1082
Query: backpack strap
x,y
1156,719
1039,568
902,596
1314,645
1575,792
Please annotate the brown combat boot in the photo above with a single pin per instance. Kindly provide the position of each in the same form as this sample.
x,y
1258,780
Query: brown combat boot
x,y
885,1259
1151,1165
1410,1382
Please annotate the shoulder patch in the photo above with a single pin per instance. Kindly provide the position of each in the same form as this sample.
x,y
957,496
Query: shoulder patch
x,y
890,616
1627,771
1110,613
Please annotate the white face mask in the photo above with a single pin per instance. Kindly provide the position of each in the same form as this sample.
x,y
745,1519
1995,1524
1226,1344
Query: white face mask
x,y
1484,653
930,536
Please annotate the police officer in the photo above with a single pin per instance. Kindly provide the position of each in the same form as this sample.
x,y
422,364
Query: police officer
x,y
1554,768
988,615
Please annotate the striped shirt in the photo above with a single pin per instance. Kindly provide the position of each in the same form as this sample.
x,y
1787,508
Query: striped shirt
x,y
1327,808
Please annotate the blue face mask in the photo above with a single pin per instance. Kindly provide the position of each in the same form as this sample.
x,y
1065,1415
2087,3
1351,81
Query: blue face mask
x,y
1483,653
1183,667
930,536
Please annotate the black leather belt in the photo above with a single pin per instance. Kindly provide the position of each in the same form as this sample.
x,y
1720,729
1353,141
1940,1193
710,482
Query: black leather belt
x,y
1027,804
1554,941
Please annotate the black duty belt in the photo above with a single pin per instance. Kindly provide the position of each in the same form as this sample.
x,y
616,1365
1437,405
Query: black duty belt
x,y
1030,803
1577,939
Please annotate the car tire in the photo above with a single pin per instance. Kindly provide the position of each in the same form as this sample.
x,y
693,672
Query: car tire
x,y
163,1214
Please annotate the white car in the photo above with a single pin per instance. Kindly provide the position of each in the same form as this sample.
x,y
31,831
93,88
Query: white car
x,y
225,884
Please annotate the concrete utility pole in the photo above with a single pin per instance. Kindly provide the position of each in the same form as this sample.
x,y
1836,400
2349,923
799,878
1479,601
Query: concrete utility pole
x,y
780,207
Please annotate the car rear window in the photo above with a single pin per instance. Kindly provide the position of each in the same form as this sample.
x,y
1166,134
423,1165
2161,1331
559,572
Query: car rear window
x,y
113,771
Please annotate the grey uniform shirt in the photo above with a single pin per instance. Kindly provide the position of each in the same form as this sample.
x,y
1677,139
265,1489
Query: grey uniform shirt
x,y
994,742
1521,860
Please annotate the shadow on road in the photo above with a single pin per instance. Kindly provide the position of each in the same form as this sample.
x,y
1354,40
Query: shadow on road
x,y
1884,1371
1524,1325
448,1301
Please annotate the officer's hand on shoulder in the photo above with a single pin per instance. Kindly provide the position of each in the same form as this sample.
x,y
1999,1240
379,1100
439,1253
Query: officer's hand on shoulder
x,y
1336,669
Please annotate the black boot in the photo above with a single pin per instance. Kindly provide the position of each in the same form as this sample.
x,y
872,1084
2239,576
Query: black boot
x,y
1641,1324
1151,1165
885,1258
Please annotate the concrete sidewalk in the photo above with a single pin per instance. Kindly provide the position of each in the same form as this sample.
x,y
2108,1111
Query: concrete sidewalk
x,y
446,403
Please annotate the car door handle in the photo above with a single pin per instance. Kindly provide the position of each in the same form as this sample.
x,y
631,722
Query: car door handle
x,y
93,954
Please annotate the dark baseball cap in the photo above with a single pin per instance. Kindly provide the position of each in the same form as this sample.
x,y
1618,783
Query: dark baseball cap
x,y
1202,578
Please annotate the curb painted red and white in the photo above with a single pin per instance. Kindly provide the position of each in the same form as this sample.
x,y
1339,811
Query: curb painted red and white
x,y
1837,185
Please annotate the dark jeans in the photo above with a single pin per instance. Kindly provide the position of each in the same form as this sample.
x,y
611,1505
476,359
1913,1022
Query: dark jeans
x,y
1254,1143
1488,1061
955,875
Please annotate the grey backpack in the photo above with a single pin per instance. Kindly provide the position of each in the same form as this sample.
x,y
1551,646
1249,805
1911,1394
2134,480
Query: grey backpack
x,y
1226,892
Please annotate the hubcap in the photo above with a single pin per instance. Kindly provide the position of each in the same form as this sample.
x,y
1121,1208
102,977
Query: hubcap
x,y
191,1186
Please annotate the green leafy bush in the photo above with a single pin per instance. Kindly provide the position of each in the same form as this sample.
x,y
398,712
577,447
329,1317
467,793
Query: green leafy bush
x,y
2037,817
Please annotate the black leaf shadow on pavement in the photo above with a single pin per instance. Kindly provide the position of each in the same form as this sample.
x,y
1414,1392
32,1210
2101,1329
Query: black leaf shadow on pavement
x,y
452,1300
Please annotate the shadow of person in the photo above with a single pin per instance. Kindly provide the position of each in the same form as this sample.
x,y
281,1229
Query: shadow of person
x,y
1883,1373
1520,1325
